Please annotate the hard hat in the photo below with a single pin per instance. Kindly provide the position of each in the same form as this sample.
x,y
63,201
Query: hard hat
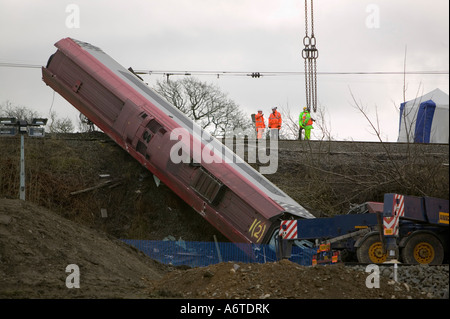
x,y
274,108
259,110
305,108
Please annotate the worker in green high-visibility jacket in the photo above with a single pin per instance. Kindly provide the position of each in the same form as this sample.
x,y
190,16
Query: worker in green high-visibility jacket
x,y
300,124
306,121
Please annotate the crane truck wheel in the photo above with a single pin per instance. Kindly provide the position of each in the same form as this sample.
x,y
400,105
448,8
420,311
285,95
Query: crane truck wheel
x,y
371,251
423,248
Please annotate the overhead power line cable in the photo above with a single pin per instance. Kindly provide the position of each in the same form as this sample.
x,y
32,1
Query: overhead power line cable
x,y
20,65
249,73
285,73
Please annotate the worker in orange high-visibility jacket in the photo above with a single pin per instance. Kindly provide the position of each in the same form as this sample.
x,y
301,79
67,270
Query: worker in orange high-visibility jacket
x,y
274,123
259,123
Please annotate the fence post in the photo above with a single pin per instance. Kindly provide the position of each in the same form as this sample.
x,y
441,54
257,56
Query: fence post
x,y
217,247
264,252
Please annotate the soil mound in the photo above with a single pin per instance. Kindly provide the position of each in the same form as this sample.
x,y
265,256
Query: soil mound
x,y
37,245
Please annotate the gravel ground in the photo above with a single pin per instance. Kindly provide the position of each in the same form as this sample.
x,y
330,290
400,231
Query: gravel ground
x,y
432,281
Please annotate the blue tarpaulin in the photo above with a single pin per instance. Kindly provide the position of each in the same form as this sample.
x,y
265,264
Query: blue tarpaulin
x,y
199,254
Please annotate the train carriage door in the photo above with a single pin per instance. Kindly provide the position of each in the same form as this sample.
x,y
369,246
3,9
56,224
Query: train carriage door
x,y
128,121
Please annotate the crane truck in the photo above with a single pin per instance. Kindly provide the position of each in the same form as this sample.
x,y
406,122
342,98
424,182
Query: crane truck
x,y
409,229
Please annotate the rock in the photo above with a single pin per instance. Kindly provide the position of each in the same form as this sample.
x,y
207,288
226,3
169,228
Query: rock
x,y
5,219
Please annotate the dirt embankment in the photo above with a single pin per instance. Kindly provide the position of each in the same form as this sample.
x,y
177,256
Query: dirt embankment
x,y
86,176
36,247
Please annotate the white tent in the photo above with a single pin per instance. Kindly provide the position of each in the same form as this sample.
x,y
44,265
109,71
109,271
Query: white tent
x,y
425,119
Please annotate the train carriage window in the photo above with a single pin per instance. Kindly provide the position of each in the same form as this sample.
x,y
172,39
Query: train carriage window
x,y
147,136
143,115
155,127
208,186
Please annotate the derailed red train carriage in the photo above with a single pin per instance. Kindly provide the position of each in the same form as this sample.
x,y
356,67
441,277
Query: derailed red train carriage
x,y
236,199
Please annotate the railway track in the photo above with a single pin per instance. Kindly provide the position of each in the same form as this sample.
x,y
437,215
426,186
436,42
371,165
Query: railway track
x,y
322,147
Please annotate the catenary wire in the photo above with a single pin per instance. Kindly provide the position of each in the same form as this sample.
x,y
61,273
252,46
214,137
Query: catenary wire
x,y
247,73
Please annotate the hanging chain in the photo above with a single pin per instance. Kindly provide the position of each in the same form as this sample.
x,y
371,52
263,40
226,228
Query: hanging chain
x,y
305,53
310,55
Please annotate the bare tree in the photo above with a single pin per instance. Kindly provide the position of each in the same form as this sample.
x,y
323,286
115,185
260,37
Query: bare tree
x,y
8,109
84,124
290,127
229,119
205,104
406,115
58,125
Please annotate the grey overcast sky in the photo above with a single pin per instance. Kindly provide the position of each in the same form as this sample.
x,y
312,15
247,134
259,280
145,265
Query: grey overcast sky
x,y
242,36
